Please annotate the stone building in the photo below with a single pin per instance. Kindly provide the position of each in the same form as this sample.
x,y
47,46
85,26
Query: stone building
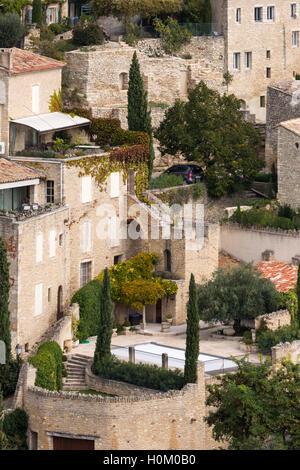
x,y
288,167
283,104
261,46
53,12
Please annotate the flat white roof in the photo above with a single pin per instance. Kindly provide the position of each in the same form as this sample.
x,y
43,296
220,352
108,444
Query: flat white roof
x,y
51,121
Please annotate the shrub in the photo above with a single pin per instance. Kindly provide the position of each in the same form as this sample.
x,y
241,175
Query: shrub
x,y
64,135
142,375
247,337
102,130
124,137
37,12
165,181
11,30
173,37
133,34
262,177
88,34
59,28
286,211
88,298
53,348
46,376
15,424
266,339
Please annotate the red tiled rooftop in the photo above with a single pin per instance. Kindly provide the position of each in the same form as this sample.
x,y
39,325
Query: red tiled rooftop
x,y
25,61
10,172
283,276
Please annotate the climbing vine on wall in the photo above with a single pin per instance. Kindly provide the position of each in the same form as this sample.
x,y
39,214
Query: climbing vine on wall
x,y
121,160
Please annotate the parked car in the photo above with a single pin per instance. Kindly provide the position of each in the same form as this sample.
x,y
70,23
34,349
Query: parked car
x,y
190,173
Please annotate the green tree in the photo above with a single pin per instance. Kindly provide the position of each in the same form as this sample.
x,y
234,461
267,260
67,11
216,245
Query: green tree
x,y
37,12
102,350
192,335
257,408
209,129
139,114
129,8
207,12
192,11
15,6
4,300
235,294
173,37
11,30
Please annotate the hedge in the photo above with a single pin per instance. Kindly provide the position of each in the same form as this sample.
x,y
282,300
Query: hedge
x,y
9,374
266,339
88,298
48,361
142,375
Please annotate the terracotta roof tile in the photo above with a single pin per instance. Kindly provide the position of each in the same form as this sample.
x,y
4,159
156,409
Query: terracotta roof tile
x,y
10,172
25,61
284,276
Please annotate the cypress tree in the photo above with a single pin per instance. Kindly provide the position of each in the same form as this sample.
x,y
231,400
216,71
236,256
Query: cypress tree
x,y
37,12
4,300
298,296
102,350
192,335
139,116
207,13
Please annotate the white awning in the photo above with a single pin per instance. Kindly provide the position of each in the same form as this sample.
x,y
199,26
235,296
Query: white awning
x,y
51,122
19,184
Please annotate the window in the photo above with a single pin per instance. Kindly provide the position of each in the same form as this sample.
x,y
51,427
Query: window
x,y
38,304
238,15
268,54
168,260
118,259
262,101
35,99
86,237
114,232
39,247
86,189
123,77
52,238
115,184
258,14
49,294
236,61
268,72
248,60
52,15
295,38
293,10
85,273
50,192
270,13
61,239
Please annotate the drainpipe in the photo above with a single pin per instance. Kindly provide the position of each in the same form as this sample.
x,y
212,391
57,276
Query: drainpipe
x,y
61,182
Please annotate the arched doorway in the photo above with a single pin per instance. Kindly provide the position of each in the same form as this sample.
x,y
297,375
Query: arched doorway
x,y
168,260
60,311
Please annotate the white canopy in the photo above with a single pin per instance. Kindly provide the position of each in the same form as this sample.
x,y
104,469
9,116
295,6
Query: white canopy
x,y
52,122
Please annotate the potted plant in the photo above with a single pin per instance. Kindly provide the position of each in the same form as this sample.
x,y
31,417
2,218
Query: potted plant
x,y
169,319
127,325
115,329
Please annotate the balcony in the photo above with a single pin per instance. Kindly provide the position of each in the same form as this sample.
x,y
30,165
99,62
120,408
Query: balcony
x,y
28,211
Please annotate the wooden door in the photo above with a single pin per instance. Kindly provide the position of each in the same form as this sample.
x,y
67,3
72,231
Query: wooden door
x,y
63,443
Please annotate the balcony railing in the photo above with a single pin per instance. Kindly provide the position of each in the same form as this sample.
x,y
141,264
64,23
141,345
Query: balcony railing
x,y
29,210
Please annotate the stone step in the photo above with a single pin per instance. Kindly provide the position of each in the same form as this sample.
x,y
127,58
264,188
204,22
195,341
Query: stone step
x,y
76,376
88,358
79,359
77,363
75,366
68,388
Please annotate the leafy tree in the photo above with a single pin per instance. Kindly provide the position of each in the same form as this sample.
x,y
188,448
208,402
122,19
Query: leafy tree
x,y
139,115
192,11
209,129
237,293
173,37
15,6
102,350
37,12
11,30
4,300
192,335
257,408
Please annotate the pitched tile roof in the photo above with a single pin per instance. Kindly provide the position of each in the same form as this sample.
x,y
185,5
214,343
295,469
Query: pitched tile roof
x,y
10,172
283,275
292,125
23,61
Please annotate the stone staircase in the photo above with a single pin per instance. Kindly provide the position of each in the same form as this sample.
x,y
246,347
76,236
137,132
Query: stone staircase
x,y
75,379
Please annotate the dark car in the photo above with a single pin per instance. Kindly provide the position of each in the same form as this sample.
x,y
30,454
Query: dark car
x,y
190,173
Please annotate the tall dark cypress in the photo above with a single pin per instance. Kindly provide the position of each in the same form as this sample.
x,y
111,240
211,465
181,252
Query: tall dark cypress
x,y
4,300
192,335
37,12
139,116
102,350
207,12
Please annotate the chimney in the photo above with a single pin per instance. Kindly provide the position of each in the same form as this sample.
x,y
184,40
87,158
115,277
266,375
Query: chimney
x,y
6,58
296,260
268,255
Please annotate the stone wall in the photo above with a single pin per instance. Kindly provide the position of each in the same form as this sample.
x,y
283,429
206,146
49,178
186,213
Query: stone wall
x,y
289,351
159,421
248,244
288,167
272,320
282,105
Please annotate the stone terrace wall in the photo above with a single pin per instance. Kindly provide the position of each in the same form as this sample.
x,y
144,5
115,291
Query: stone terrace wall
x,y
290,351
248,244
273,320
172,420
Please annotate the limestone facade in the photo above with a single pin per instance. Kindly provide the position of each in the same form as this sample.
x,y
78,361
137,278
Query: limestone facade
x,y
283,104
158,421
266,37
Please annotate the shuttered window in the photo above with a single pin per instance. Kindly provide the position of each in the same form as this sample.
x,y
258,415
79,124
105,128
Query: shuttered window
x,y
115,184
86,189
36,99
86,237
38,304
52,242
39,247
